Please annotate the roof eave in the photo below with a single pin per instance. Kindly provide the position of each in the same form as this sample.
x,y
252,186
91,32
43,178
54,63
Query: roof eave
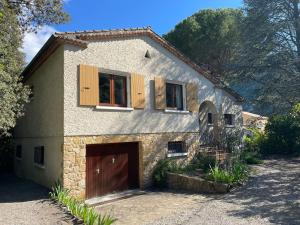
x,y
48,48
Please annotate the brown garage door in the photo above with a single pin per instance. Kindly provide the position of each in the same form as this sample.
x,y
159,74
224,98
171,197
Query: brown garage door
x,y
111,168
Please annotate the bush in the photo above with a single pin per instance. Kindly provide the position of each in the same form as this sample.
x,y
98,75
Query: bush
x,y
218,174
282,135
203,161
251,157
79,209
161,169
238,173
6,154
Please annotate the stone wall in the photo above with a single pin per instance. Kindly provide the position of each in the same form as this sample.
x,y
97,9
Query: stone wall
x,y
182,182
152,147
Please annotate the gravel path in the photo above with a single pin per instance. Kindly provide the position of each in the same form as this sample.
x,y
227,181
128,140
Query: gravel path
x,y
271,196
25,203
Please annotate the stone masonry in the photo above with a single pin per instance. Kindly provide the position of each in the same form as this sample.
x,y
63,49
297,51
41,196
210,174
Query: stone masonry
x,y
152,147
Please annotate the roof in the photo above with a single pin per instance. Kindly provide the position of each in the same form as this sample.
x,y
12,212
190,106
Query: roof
x,y
254,115
82,39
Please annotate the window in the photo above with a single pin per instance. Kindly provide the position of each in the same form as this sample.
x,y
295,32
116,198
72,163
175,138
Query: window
x,y
176,148
112,90
209,118
39,153
228,119
174,96
19,152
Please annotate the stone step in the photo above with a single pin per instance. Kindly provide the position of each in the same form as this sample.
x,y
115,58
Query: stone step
x,y
113,197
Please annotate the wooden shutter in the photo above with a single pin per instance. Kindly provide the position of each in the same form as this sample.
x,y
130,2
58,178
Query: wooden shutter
x,y
137,91
89,85
160,93
192,97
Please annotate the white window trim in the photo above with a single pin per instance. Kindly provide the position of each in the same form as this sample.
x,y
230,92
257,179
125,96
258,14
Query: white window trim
x,y
177,154
183,96
113,108
177,111
128,88
40,166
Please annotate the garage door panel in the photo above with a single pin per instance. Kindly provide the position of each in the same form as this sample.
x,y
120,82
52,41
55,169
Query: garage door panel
x,y
118,166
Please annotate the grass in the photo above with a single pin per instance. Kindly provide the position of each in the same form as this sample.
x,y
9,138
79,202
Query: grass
x,y
79,209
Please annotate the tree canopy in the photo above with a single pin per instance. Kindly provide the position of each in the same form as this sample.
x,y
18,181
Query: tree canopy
x,y
270,56
256,50
209,37
17,16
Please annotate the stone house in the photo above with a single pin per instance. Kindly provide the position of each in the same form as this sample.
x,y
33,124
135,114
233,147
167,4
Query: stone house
x,y
107,105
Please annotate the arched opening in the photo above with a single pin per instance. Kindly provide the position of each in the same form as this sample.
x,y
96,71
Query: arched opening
x,y
208,124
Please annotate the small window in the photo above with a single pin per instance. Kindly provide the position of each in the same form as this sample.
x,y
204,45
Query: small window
x,y
176,147
39,153
210,118
228,119
174,96
19,152
112,90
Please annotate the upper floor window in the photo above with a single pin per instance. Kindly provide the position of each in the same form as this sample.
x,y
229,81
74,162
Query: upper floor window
x,y
210,118
112,90
229,119
174,97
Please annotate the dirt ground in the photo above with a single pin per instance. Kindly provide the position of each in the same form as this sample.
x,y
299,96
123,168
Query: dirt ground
x,y
271,196
23,202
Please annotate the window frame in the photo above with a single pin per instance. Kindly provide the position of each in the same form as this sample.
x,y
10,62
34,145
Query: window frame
x,y
38,164
18,147
208,118
231,116
183,88
177,154
111,78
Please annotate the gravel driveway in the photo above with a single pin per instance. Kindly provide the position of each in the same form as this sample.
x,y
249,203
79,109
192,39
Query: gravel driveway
x,y
272,196
25,203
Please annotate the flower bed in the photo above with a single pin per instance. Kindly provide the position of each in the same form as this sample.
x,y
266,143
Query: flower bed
x,y
78,209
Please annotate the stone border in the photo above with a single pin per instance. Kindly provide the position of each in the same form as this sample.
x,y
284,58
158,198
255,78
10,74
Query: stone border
x,y
183,182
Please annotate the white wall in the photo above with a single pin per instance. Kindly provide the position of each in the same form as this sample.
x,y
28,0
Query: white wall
x,y
42,124
127,55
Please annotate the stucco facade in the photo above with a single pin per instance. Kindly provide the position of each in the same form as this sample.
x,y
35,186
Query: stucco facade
x,y
56,120
42,124
127,55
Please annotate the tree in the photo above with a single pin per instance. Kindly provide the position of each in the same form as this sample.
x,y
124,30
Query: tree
x,y
209,37
17,16
270,57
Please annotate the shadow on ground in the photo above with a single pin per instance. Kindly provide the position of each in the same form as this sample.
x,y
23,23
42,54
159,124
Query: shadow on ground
x,y
274,193
13,189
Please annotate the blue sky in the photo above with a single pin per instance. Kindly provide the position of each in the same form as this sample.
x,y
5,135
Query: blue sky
x,y
161,15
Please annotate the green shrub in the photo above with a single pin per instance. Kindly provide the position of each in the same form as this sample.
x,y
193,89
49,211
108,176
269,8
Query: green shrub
x,y
218,174
283,135
254,142
238,173
6,154
203,161
251,157
79,209
162,168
